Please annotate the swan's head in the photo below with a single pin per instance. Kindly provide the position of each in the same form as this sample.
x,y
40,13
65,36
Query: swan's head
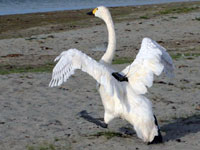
x,y
101,12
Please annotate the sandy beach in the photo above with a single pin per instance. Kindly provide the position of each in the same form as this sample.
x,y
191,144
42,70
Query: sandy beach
x,y
36,117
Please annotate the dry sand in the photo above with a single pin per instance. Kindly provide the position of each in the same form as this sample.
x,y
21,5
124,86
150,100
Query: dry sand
x,y
34,116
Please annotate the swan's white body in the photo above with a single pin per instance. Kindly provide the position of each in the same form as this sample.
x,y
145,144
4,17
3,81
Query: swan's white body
x,y
120,99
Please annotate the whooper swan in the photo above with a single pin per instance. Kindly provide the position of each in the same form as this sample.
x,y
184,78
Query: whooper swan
x,y
122,93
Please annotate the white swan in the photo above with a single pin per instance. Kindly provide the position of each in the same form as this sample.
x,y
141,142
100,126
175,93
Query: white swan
x,y
121,94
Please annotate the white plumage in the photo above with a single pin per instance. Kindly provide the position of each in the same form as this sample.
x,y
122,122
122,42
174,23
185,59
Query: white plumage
x,y
120,99
74,59
151,59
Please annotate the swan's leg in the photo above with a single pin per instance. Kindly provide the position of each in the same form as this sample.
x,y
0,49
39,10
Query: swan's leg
x,y
108,117
158,138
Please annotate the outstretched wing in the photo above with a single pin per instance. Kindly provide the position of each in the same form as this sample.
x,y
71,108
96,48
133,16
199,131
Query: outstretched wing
x,y
74,59
151,59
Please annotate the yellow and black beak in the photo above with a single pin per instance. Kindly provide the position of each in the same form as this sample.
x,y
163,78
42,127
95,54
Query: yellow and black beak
x,y
92,12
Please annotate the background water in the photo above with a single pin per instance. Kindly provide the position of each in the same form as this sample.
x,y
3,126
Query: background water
x,y
30,6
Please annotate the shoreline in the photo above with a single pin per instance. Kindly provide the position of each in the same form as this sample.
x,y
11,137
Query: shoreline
x,y
15,26
71,9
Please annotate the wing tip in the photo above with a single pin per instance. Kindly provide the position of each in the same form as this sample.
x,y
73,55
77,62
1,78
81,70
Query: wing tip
x,y
57,58
51,83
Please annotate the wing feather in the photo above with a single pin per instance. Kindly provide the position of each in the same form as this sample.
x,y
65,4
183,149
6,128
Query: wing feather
x,y
69,61
151,59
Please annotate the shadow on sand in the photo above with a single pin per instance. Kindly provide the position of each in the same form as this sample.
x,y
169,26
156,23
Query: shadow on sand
x,y
98,121
181,127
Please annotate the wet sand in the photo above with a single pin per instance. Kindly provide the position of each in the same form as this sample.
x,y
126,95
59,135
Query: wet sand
x,y
34,116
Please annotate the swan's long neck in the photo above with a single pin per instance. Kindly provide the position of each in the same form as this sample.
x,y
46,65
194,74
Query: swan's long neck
x,y
109,54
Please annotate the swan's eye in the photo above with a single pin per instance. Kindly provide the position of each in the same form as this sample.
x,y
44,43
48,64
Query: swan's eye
x,y
94,11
